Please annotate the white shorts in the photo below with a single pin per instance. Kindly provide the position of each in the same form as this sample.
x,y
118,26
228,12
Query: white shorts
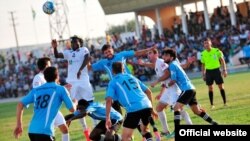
x,y
59,119
81,90
170,95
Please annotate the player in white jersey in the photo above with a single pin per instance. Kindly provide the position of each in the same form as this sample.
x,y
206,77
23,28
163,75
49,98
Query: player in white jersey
x,y
39,80
168,96
77,57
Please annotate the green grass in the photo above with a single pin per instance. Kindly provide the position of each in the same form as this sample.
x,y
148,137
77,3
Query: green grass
x,y
237,112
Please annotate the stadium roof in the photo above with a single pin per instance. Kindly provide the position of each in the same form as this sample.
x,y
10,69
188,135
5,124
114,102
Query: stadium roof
x,y
122,6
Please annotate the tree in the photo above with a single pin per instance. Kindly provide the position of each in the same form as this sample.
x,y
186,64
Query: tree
x,y
128,25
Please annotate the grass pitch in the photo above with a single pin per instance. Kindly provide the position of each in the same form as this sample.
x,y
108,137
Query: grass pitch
x,y
237,87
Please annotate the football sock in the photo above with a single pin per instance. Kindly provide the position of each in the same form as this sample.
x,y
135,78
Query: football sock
x,y
211,97
186,117
222,92
65,137
86,134
177,118
207,118
163,120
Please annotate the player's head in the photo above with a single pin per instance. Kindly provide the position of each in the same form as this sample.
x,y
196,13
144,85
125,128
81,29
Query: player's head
x,y
51,74
82,104
207,43
107,51
168,55
80,41
43,63
153,55
117,67
75,42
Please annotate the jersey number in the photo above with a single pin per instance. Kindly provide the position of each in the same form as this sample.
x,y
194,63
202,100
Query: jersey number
x,y
130,83
42,101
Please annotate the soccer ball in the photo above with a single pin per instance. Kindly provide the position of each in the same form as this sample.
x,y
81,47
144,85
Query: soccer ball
x,y
48,7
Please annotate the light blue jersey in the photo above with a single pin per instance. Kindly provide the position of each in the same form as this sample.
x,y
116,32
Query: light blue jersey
x,y
181,78
106,64
47,100
98,111
129,91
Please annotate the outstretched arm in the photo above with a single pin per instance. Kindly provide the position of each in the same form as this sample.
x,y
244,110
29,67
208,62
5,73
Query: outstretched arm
x,y
144,51
148,64
74,116
54,46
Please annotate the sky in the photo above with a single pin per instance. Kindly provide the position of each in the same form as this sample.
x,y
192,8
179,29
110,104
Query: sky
x,y
37,31
84,20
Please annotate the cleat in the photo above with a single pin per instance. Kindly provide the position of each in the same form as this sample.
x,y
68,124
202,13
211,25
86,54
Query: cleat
x,y
171,135
165,133
212,107
157,136
214,123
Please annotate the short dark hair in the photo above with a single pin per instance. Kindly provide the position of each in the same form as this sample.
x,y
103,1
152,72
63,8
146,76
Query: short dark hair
x,y
82,104
51,74
42,62
74,38
105,47
207,39
117,67
171,52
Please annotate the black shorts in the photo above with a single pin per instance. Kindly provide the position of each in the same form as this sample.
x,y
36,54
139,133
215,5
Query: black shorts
x,y
117,106
40,137
132,119
188,97
213,75
101,125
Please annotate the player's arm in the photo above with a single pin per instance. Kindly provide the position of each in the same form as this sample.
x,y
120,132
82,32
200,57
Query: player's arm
x,y
163,88
76,115
149,94
144,51
108,123
203,71
172,82
162,78
224,66
19,115
190,60
54,46
84,64
146,64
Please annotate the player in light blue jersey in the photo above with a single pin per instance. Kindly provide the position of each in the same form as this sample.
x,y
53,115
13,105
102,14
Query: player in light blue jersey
x,y
98,111
47,100
135,97
188,95
110,57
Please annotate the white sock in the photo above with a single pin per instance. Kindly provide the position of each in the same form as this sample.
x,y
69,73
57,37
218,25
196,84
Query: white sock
x,y
83,123
65,137
186,117
163,120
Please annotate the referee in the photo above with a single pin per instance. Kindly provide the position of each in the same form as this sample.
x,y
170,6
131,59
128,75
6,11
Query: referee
x,y
212,59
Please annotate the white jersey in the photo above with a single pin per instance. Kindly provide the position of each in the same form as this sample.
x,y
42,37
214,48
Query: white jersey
x,y
75,60
171,94
38,80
